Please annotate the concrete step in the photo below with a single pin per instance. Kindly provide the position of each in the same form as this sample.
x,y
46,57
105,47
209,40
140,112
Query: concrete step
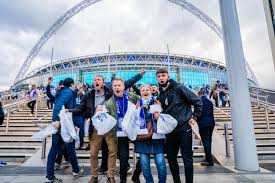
x,y
254,115
25,118
266,155
24,115
257,126
15,158
266,146
226,110
262,139
27,121
261,131
262,126
13,128
20,149
254,119
85,158
20,133
23,125
21,143
26,109
16,138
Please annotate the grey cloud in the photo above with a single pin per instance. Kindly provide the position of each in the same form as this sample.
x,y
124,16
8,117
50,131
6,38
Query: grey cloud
x,y
130,25
30,15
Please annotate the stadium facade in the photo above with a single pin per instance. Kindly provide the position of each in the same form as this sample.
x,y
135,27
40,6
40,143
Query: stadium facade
x,y
190,70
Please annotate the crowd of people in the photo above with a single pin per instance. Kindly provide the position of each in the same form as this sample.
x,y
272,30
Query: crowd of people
x,y
175,99
219,93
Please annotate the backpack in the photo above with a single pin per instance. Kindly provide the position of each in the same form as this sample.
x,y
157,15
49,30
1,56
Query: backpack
x,y
2,117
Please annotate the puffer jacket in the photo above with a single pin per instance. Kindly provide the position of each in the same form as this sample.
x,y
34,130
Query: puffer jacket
x,y
64,96
177,101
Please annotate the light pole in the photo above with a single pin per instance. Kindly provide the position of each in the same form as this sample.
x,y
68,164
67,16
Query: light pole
x,y
245,151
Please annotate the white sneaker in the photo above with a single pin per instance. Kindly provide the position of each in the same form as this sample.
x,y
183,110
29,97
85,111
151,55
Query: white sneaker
x,y
65,164
81,170
56,166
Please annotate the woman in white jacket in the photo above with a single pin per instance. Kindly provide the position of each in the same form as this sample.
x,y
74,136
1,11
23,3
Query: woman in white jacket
x,y
34,93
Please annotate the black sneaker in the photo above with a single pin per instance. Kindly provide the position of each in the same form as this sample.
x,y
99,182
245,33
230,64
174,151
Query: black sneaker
x,y
206,163
55,180
135,179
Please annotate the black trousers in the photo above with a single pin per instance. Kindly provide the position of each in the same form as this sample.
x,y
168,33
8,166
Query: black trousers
x,y
216,101
206,138
50,104
180,140
123,146
104,151
31,105
225,102
62,153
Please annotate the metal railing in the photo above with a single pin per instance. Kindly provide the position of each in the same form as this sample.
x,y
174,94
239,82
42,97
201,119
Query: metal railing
x,y
267,107
12,97
225,127
9,108
44,142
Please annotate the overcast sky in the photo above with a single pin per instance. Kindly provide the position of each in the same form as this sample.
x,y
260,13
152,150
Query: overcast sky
x,y
127,25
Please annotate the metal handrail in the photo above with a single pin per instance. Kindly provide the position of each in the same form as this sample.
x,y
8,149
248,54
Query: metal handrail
x,y
267,106
40,119
16,105
225,127
225,113
8,96
262,89
263,103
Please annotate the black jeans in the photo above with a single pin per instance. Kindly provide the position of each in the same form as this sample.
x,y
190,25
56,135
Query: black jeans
x,y
59,157
225,102
180,140
31,105
104,151
138,170
123,146
50,104
216,101
206,138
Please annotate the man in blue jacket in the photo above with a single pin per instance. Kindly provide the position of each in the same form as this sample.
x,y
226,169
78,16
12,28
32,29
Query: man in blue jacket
x,y
64,97
206,124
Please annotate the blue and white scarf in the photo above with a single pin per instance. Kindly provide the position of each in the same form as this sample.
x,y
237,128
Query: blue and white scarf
x,y
122,106
144,105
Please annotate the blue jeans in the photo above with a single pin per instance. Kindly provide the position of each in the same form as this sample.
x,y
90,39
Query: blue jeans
x,y
57,143
161,167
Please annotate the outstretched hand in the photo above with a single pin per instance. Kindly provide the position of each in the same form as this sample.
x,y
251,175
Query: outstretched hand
x,y
142,72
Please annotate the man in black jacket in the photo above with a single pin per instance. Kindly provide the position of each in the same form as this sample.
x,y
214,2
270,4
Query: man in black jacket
x,y
206,124
177,100
98,96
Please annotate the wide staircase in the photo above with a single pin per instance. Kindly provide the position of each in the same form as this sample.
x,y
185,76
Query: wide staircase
x,y
265,136
16,147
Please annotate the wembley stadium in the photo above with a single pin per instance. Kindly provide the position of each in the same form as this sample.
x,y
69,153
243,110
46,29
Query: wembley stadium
x,y
190,70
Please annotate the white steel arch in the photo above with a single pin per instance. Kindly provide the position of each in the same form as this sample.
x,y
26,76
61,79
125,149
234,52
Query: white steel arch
x,y
86,3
